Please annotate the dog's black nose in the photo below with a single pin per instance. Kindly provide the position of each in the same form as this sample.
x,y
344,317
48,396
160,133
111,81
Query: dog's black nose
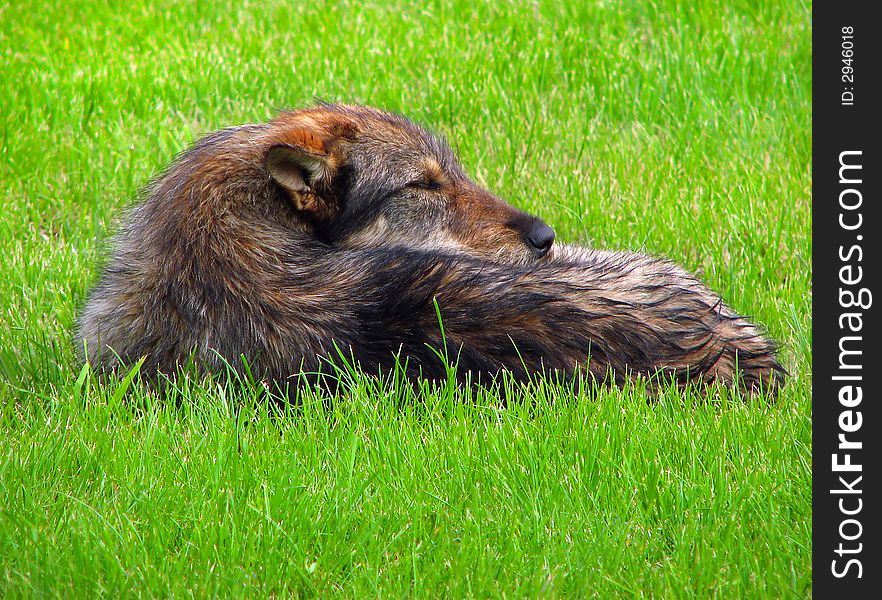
x,y
540,238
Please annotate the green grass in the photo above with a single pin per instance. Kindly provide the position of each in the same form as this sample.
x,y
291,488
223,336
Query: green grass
x,y
681,129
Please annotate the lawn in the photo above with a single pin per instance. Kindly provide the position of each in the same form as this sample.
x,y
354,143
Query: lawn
x,y
679,129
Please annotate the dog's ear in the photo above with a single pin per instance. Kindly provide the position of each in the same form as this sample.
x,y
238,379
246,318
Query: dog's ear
x,y
304,163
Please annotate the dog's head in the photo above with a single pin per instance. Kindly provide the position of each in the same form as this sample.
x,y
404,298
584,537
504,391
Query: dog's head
x,y
365,178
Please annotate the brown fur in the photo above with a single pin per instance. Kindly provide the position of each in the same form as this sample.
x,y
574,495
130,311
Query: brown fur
x,y
342,226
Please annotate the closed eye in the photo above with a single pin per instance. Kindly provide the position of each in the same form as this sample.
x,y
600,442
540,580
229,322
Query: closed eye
x,y
424,184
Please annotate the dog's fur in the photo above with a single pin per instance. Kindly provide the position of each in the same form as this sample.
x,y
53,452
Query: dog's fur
x,y
343,228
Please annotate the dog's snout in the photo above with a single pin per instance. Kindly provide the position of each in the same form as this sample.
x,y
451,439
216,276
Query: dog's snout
x,y
540,237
